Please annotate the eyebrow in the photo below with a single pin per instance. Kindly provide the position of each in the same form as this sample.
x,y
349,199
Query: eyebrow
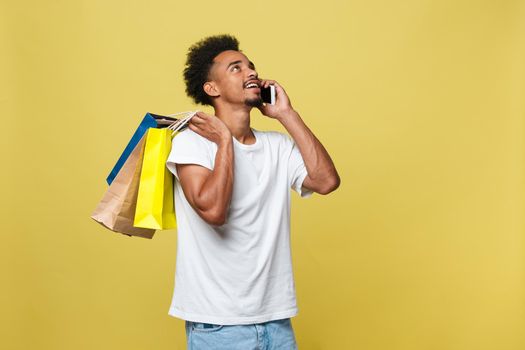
x,y
239,61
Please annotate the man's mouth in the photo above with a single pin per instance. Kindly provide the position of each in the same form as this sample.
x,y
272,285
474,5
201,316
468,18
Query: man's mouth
x,y
252,84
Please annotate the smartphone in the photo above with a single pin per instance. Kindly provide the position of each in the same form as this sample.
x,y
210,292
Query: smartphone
x,y
268,94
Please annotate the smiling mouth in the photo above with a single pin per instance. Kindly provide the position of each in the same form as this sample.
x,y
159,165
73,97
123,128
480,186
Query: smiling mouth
x,y
252,85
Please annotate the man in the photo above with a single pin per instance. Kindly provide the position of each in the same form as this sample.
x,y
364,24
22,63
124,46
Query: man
x,y
234,282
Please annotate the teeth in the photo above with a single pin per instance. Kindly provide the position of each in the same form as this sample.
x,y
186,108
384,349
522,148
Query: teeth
x,y
251,85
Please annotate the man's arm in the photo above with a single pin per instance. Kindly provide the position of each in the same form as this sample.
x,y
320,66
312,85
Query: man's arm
x,y
209,191
322,176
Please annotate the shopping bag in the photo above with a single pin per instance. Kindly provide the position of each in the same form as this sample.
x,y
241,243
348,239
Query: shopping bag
x,y
116,210
150,120
155,206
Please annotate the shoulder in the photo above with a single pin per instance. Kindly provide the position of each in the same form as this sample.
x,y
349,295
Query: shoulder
x,y
189,143
188,147
190,137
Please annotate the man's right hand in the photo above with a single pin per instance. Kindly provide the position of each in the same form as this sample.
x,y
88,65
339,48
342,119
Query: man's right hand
x,y
210,127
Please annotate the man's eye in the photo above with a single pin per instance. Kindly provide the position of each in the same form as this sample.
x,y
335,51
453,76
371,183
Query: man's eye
x,y
235,67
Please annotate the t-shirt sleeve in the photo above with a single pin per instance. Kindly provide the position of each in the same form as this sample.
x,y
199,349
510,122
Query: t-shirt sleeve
x,y
188,147
297,170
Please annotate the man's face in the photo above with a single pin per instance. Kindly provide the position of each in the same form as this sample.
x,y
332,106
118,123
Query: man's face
x,y
235,79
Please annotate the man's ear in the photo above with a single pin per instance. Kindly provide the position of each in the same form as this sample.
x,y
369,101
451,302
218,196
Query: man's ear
x,y
211,89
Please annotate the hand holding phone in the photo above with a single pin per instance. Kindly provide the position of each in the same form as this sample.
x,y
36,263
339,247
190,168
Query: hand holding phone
x,y
281,106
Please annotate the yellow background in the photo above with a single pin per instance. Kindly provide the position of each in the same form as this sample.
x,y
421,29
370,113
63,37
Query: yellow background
x,y
420,104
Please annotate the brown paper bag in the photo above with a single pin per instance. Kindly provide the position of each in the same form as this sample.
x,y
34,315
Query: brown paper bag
x,y
116,210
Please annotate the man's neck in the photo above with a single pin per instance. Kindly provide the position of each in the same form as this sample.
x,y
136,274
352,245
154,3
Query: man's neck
x,y
237,119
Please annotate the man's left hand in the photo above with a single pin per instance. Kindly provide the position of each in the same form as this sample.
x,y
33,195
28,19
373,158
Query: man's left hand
x,y
282,105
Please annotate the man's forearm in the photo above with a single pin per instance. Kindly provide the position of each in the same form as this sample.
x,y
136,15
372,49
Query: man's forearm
x,y
216,192
323,177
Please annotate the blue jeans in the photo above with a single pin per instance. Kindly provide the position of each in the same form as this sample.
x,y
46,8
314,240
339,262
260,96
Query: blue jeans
x,y
276,334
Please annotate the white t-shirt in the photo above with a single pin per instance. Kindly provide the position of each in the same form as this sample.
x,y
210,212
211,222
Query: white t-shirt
x,y
240,272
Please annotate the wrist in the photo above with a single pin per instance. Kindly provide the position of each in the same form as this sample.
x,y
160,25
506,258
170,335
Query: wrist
x,y
288,115
225,139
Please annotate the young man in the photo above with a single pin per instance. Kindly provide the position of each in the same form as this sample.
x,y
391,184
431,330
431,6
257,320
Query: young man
x,y
234,282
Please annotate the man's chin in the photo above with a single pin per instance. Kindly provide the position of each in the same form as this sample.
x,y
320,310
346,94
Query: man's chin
x,y
253,102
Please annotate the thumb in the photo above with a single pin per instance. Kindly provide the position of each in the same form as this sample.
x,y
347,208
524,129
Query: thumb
x,y
263,107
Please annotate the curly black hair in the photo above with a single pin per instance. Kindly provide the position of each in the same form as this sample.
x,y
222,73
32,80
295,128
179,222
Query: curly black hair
x,y
199,61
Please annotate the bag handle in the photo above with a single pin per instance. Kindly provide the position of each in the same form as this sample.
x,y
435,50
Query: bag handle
x,y
179,123
179,113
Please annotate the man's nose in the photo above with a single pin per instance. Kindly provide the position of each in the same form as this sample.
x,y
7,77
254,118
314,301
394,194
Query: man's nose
x,y
252,73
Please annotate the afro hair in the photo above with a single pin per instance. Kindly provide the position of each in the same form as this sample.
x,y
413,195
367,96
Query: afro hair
x,y
199,62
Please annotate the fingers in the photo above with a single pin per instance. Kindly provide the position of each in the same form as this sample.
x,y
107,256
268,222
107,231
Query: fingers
x,y
262,108
198,130
193,128
197,120
203,122
267,82
200,118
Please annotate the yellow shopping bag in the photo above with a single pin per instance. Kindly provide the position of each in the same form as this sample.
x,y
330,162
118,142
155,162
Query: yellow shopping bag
x,y
155,207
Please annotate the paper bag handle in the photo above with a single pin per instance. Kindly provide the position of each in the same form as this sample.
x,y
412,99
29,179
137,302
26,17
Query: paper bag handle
x,y
178,124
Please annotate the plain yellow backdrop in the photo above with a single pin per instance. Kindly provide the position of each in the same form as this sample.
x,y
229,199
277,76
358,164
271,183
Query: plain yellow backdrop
x,y
420,104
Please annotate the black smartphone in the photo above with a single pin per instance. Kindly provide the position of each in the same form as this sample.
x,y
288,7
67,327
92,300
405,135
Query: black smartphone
x,y
268,94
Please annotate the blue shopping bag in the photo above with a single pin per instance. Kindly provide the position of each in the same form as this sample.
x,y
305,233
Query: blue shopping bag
x,y
150,120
